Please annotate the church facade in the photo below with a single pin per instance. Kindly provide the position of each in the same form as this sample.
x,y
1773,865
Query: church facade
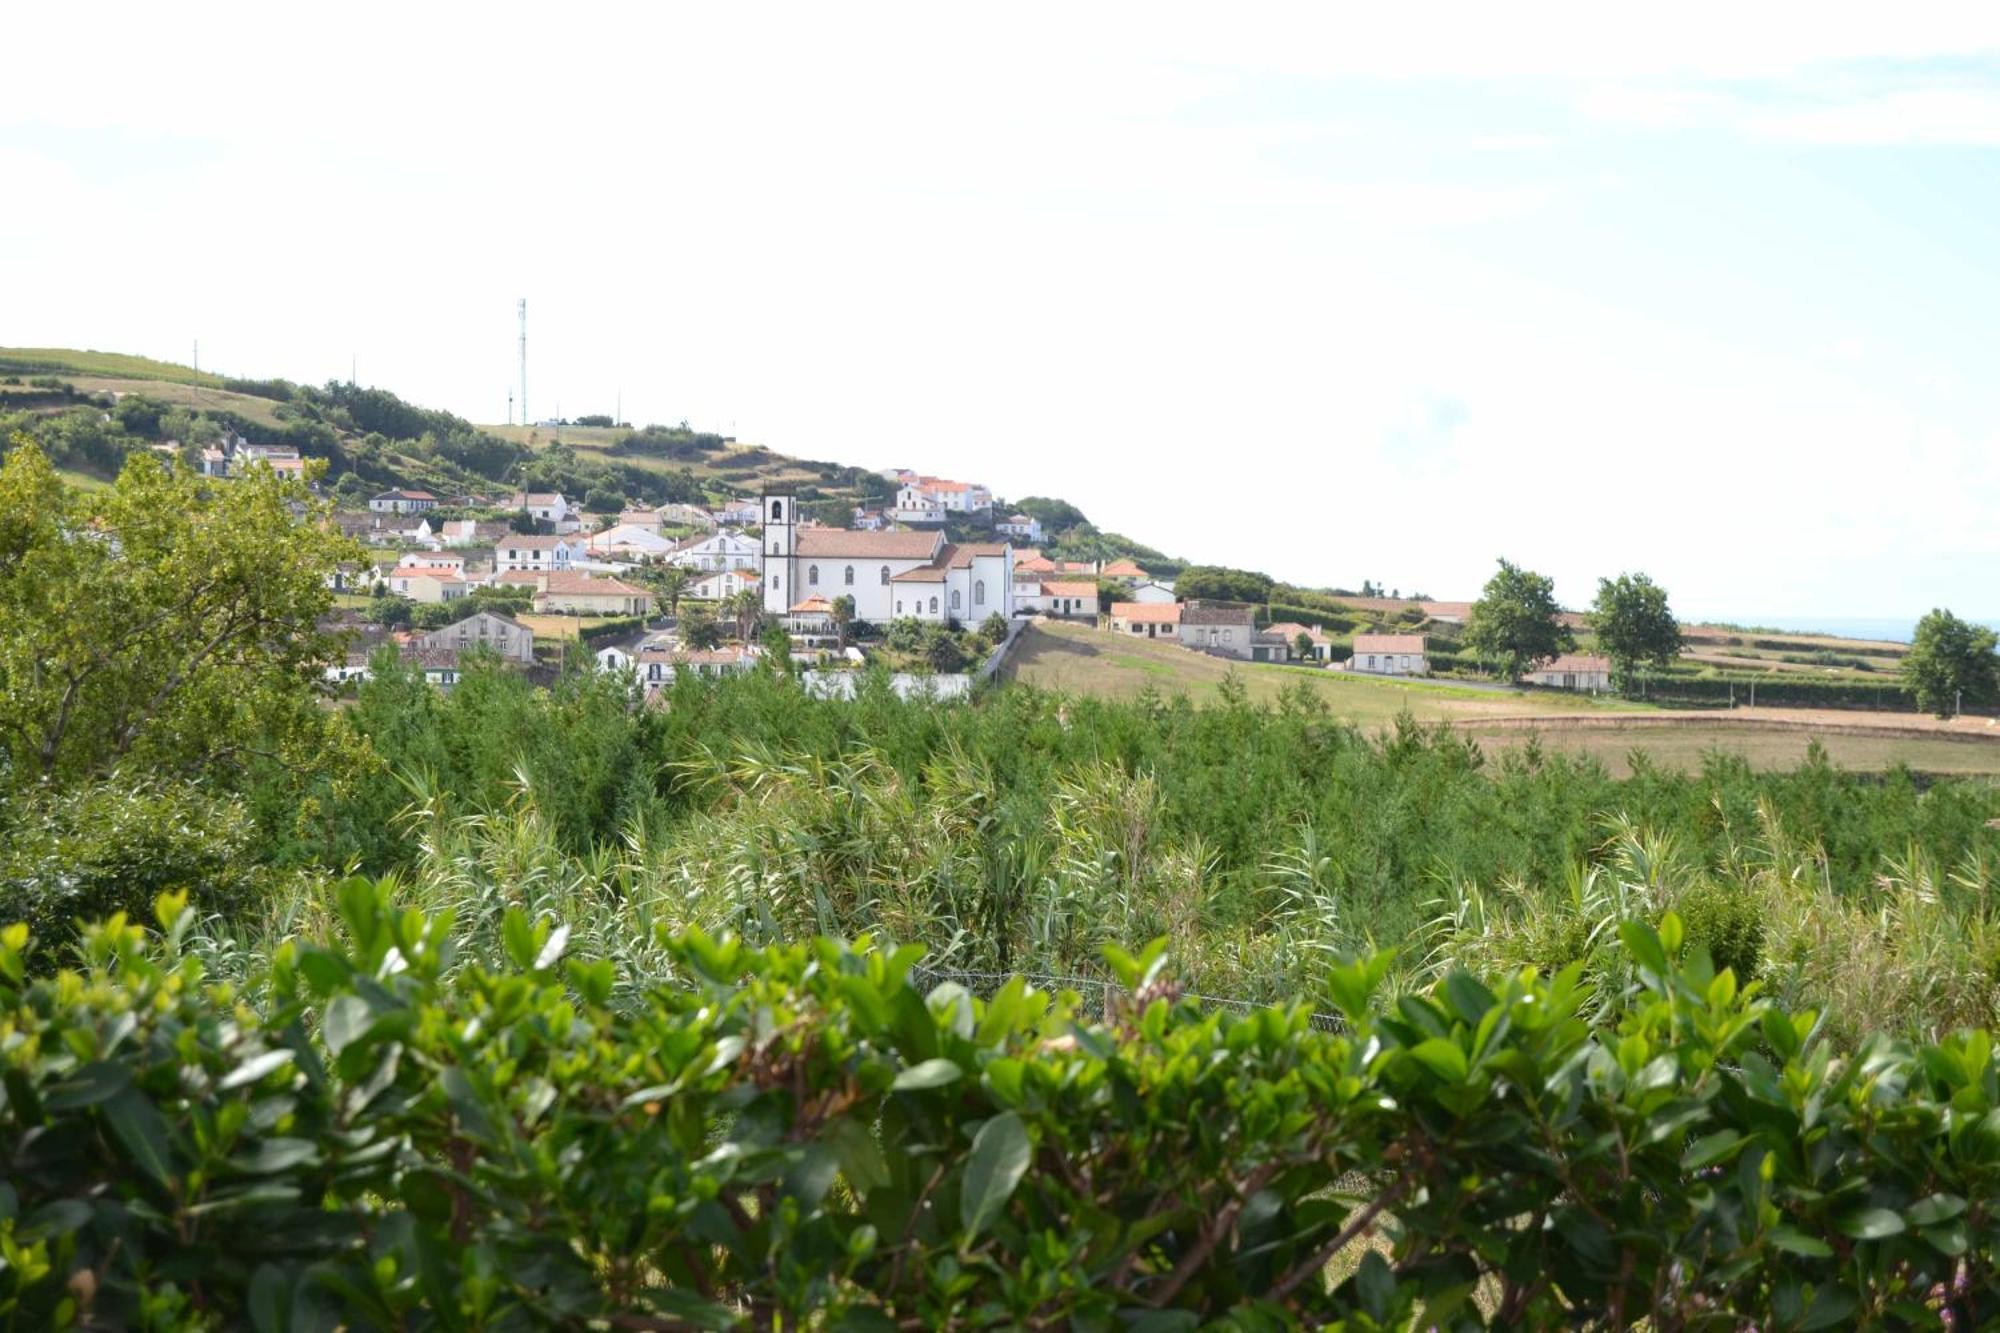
x,y
890,575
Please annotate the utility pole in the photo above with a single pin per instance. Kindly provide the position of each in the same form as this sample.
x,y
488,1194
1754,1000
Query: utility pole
x,y
197,354
525,418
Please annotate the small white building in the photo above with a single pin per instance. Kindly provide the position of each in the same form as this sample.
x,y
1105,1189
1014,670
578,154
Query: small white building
x,y
432,560
429,583
738,513
549,507
630,542
1022,528
724,550
533,554
1152,592
1219,629
1149,620
1389,655
1571,671
723,583
1072,599
402,502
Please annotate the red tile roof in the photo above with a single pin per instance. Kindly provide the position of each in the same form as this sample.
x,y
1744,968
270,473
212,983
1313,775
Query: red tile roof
x,y
1388,643
1577,662
1155,613
1068,588
835,543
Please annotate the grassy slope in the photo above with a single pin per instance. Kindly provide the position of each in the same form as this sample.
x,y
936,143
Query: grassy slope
x,y
114,365
1080,660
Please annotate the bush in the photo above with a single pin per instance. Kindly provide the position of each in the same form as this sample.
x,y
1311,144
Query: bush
x,y
113,847
1725,921
799,1137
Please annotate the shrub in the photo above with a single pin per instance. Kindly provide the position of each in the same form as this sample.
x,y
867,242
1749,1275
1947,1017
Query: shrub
x,y
798,1137
1727,922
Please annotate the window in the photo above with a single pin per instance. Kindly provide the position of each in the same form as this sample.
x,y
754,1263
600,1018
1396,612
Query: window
x,y
933,606
812,575
774,581
899,608
957,600
777,510
850,576
885,580
979,593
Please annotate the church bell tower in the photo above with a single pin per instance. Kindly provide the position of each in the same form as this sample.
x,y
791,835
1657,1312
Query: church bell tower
x,y
780,523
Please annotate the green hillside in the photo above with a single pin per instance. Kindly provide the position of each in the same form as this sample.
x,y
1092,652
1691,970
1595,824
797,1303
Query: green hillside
x,y
113,365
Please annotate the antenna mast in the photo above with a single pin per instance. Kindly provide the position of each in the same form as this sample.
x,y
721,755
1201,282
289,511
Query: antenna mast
x,y
524,362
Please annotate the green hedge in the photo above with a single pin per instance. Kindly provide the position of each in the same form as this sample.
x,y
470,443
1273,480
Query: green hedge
x,y
592,635
1803,692
382,1136
1279,612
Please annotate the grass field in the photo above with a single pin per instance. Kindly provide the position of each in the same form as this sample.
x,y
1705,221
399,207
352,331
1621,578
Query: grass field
x,y
1081,660
113,365
768,468
561,627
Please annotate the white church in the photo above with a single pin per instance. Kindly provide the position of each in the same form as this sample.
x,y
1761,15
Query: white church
x,y
890,575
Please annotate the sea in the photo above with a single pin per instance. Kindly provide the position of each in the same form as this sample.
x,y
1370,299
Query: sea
x,y
1888,629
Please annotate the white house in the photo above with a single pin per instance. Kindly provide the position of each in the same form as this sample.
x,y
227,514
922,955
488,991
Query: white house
x,y
1321,646
629,541
548,507
721,584
1069,598
402,502
1152,593
913,505
428,583
503,635
1021,528
890,575
1149,620
1219,629
432,560
738,513
532,554
724,550
658,663
1389,655
1571,671
684,516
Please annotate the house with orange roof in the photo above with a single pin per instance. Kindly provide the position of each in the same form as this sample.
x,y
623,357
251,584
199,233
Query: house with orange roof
x,y
1122,569
1316,636
1571,671
429,583
1151,620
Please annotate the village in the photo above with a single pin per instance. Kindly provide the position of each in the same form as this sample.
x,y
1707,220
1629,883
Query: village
x,y
531,578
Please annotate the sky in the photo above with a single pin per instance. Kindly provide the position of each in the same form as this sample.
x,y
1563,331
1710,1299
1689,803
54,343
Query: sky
x,y
1334,292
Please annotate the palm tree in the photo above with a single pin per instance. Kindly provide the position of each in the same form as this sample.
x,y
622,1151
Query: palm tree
x,y
843,616
748,608
673,583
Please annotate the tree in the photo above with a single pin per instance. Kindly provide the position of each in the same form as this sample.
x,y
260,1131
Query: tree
x,y
604,500
1516,620
777,645
843,618
672,583
1302,645
390,612
1055,516
699,628
993,629
1217,584
1951,662
943,651
169,622
1634,625
831,513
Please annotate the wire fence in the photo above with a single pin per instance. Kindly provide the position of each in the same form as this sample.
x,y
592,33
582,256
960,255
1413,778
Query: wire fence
x,y
1098,992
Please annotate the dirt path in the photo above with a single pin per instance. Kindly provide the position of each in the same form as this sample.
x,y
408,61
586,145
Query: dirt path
x,y
1846,722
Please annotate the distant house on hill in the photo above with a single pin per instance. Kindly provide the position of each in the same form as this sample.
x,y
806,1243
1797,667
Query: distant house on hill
x,y
1021,527
723,550
1571,671
1389,655
572,592
1322,646
528,553
629,541
548,507
1151,620
1153,591
1072,599
402,502
721,584
1122,569
429,583
1220,629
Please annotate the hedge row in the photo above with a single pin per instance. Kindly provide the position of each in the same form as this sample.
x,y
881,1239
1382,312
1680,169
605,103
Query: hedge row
x,y
383,1137
1805,692
592,635
1279,612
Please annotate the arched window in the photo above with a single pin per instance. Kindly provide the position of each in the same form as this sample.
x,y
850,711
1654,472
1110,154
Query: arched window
x,y
956,601
885,575
777,510
850,576
933,606
899,608
812,575
979,593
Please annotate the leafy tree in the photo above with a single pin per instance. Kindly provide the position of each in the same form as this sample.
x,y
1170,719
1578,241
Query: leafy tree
x,y
521,521
1214,583
843,619
904,635
1516,620
168,622
604,500
747,609
942,650
993,629
1951,661
699,627
1302,645
1056,516
777,645
390,612
1634,624
831,513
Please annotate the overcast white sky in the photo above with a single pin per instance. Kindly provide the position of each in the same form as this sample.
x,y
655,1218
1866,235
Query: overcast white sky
x,y
1378,293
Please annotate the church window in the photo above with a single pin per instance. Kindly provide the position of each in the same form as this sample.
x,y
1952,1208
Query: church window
x,y
777,509
955,600
850,576
885,575
979,593
812,575
933,606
